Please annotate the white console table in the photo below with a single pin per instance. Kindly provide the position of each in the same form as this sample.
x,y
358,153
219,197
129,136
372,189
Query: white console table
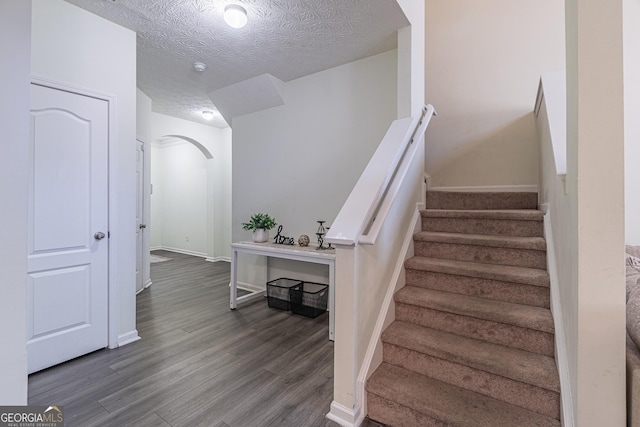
x,y
295,252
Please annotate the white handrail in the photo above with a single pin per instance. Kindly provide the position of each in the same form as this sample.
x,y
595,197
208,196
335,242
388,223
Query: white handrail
x,y
364,207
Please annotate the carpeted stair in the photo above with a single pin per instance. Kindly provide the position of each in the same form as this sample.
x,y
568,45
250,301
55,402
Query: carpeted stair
x,y
473,339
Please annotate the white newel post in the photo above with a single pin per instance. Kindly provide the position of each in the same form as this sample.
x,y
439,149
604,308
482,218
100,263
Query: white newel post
x,y
345,371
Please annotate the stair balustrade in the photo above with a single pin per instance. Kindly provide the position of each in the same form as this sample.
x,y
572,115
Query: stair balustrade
x,y
371,234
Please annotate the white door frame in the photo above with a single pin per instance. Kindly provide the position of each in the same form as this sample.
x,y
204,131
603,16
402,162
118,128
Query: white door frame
x,y
112,299
142,240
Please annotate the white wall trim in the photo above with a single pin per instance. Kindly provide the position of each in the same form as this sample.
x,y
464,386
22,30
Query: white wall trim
x,y
562,358
373,356
128,338
112,297
144,286
344,416
179,251
427,181
219,258
490,188
250,287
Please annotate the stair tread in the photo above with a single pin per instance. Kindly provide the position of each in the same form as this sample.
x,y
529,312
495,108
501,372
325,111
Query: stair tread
x,y
518,365
504,273
512,214
449,403
496,241
443,199
536,318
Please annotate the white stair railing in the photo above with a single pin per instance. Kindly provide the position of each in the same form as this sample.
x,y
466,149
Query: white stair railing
x,y
369,234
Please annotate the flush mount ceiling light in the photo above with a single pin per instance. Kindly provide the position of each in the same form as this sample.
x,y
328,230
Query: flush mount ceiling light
x,y
235,15
199,66
207,115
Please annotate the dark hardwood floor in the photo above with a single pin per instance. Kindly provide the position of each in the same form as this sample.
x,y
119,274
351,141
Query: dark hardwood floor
x,y
199,363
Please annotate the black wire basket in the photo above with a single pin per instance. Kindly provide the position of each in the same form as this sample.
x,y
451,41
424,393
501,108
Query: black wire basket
x,y
309,299
278,292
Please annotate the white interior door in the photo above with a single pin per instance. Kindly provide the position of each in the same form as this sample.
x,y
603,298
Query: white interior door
x,y
140,225
67,283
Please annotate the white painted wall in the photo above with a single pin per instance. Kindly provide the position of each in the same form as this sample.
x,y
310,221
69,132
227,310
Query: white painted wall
x,y
483,63
593,302
223,197
299,162
632,122
411,57
15,45
73,46
191,194
143,116
183,185
157,200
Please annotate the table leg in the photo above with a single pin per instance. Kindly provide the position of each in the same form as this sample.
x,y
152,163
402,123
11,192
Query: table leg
x,y
266,273
233,285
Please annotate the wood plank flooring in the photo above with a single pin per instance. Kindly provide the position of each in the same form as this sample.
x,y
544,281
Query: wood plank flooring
x,y
199,363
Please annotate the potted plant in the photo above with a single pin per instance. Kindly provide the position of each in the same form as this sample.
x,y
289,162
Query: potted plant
x,y
260,224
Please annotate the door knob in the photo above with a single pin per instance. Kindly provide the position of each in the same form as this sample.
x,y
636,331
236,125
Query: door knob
x,y
99,235
143,226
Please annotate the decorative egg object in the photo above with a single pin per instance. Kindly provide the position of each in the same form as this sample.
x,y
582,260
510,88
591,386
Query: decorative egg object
x,y
303,240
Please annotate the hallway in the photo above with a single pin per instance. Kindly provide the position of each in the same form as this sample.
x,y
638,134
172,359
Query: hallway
x,y
199,363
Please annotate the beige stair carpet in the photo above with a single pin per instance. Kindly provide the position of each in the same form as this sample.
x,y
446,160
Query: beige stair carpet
x,y
473,339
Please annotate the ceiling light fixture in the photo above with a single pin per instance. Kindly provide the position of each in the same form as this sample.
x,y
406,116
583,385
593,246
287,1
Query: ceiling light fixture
x,y
235,15
207,115
199,66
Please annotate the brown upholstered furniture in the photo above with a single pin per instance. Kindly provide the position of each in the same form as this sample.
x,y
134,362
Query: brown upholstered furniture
x,y
633,335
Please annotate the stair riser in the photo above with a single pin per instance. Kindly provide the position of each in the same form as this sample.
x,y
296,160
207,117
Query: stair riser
x,y
390,413
475,201
501,227
494,332
484,254
526,396
485,288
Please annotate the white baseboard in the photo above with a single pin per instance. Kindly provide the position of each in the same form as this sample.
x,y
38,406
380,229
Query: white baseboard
x,y
148,283
180,251
344,416
128,338
192,253
218,259
250,287
490,188
562,358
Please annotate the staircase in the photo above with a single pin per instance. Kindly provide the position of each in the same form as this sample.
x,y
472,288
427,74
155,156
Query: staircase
x,y
473,339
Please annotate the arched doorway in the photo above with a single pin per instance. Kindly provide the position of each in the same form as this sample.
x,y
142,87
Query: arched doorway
x,y
182,207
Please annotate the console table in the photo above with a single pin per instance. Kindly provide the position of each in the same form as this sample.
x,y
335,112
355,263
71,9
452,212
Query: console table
x,y
296,253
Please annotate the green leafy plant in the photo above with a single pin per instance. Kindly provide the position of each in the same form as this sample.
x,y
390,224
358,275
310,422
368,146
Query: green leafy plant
x,y
259,220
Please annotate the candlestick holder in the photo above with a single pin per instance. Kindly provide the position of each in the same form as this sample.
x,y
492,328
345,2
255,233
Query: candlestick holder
x,y
320,233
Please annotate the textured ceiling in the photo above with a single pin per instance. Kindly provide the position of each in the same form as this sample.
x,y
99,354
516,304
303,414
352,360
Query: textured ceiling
x,y
285,38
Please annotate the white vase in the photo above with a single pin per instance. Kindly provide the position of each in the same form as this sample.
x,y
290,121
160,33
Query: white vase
x,y
260,235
